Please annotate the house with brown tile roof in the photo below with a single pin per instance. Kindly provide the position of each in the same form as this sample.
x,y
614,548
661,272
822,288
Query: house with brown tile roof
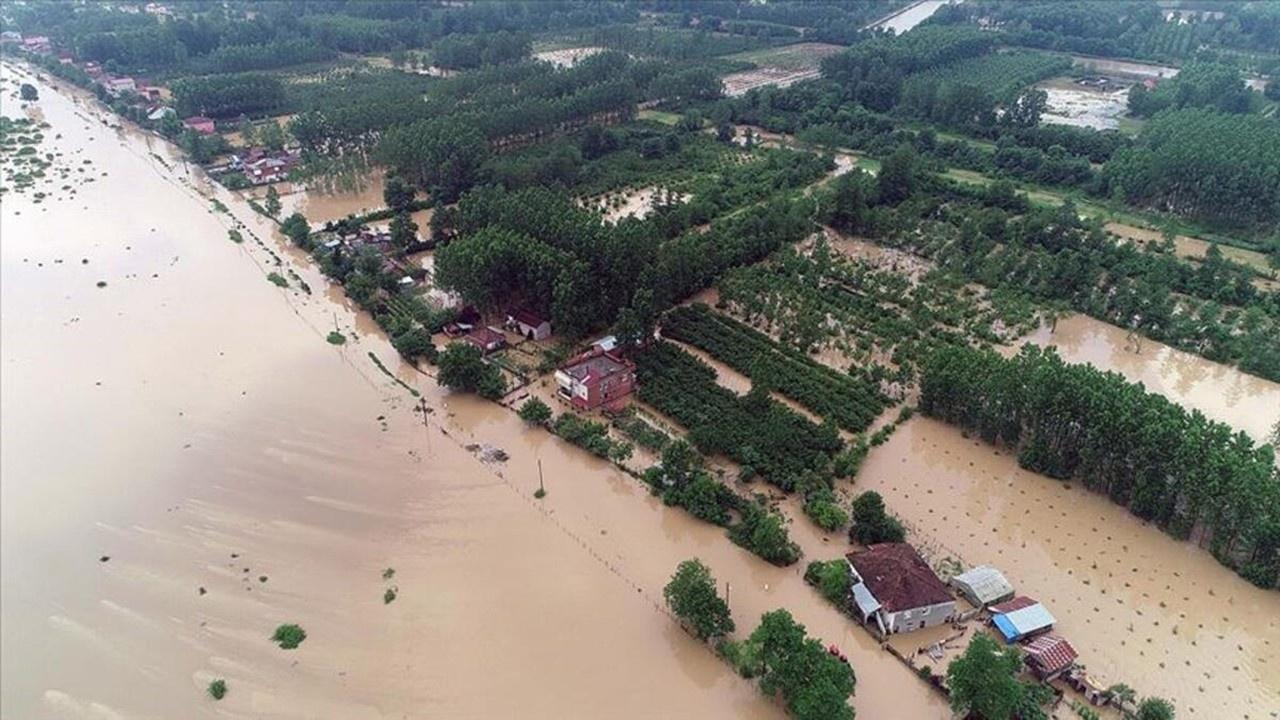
x,y
894,587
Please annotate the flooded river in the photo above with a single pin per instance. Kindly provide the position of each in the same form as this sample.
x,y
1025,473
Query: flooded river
x,y
188,464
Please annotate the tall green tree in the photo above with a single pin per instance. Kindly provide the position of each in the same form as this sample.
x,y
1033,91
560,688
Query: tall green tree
x,y
691,595
983,681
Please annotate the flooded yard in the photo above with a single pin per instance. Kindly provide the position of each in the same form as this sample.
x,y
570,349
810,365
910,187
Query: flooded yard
x,y
1140,607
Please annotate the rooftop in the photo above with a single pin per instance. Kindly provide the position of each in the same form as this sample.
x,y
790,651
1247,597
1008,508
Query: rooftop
x,y
898,577
525,316
598,364
1051,653
986,583
1017,603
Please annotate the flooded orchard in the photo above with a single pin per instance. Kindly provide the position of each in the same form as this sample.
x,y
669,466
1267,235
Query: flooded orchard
x,y
188,464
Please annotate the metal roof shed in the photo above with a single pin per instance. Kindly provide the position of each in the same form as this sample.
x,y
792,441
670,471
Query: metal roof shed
x,y
1023,622
866,602
983,585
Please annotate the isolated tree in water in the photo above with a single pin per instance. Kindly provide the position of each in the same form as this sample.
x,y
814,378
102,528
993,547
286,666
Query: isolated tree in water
x,y
691,595
1154,708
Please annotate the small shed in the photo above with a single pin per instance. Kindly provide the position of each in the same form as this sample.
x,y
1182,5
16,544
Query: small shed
x,y
1049,656
529,324
983,586
1021,618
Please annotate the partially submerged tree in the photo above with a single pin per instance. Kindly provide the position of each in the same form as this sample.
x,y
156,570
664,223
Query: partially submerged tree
x,y
463,369
691,595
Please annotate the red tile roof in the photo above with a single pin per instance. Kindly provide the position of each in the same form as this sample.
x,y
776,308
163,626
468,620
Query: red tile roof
x,y
898,577
1050,653
525,316
1022,601
485,338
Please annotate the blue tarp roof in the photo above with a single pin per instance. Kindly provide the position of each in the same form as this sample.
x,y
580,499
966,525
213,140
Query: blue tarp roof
x,y
1006,628
1023,622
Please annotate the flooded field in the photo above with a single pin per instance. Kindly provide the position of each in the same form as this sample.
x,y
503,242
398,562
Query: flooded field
x,y
1071,104
780,67
1139,606
569,56
188,464
1222,393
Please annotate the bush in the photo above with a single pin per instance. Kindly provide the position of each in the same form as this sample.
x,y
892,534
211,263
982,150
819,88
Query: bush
x,y
218,689
871,524
831,578
823,509
289,636
277,279
535,412
336,338
765,534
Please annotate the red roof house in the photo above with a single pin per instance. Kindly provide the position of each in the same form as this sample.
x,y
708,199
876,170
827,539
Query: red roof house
x,y
201,124
529,324
1018,603
594,378
895,587
1049,656
487,339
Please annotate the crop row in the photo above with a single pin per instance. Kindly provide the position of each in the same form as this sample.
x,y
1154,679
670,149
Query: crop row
x,y
852,403
755,431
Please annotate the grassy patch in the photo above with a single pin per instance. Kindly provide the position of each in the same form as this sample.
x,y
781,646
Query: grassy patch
x,y
658,116
235,236
277,279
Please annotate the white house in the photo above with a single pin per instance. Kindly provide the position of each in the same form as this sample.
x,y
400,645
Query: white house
x,y
894,587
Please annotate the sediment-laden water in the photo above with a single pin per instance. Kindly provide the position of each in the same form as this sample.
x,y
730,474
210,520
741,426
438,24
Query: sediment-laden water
x,y
187,464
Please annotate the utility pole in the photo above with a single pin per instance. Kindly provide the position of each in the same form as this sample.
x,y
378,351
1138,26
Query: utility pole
x,y
541,489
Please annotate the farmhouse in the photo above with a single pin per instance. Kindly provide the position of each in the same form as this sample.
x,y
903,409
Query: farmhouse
x,y
594,378
116,86
894,586
1049,656
200,124
1021,618
487,339
983,585
529,324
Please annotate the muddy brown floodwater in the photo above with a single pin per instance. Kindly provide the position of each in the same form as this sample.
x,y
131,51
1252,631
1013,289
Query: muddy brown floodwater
x,y
1245,402
1140,607
187,464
